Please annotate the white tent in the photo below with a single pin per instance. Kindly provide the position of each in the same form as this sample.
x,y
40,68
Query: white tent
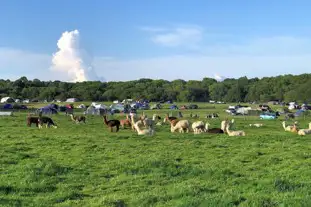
x,y
7,100
99,106
71,100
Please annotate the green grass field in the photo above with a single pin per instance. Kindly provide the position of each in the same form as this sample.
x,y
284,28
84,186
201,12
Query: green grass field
x,y
86,165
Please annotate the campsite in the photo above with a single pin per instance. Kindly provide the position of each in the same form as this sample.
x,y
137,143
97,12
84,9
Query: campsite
x,y
155,103
86,164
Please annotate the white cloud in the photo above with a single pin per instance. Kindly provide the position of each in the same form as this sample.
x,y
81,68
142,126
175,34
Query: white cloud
x,y
186,36
257,58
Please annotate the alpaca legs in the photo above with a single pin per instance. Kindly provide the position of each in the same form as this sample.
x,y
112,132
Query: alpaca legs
x,y
117,126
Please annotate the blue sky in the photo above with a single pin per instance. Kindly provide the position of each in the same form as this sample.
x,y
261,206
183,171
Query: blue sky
x,y
159,39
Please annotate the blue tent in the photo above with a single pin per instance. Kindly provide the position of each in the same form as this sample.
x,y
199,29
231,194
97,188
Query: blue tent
x,y
173,106
8,106
49,109
299,112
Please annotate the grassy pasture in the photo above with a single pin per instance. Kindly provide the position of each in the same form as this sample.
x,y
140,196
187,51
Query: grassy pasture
x,y
86,165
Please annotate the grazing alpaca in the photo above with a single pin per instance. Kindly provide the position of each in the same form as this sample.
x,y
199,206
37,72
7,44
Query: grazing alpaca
x,y
126,122
198,127
47,121
181,126
112,123
140,131
234,133
213,130
77,119
289,128
256,125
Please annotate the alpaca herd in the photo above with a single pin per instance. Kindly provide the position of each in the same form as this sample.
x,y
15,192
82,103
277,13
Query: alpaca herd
x,y
143,125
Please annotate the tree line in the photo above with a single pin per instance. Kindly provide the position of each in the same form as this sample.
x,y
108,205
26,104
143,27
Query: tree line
x,y
283,88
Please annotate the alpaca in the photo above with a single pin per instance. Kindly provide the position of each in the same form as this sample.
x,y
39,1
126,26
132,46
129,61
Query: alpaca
x,y
182,126
256,125
169,118
77,119
134,120
234,133
303,132
126,122
140,131
47,121
198,127
225,123
213,130
112,123
289,128
150,122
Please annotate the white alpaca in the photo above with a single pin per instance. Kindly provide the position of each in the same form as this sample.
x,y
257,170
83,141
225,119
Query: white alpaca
x,y
198,127
303,132
256,125
234,133
140,131
134,119
181,126
225,123
289,128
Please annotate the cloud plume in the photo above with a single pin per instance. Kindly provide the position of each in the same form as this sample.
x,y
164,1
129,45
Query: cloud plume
x,y
71,61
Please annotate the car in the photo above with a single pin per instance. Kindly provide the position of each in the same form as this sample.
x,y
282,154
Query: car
x,y
193,106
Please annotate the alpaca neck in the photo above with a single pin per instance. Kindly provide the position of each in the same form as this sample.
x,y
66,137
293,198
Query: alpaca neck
x,y
206,127
73,118
105,120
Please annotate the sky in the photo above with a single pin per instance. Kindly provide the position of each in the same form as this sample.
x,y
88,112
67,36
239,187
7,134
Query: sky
x,y
124,40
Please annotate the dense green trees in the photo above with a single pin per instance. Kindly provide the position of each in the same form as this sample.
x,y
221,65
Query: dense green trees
x,y
286,88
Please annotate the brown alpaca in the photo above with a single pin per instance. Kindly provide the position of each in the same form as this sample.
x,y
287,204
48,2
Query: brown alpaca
x,y
169,118
126,122
78,119
112,123
32,120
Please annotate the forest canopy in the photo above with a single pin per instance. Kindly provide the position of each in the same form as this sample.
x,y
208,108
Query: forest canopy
x,y
283,88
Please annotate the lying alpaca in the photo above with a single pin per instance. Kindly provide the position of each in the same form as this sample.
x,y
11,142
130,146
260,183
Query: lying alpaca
x,y
47,121
256,125
234,133
225,123
140,131
78,119
181,126
126,122
112,123
303,132
290,128
198,127
213,130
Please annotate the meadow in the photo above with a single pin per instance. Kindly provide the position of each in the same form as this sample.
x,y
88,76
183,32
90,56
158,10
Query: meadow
x,y
87,165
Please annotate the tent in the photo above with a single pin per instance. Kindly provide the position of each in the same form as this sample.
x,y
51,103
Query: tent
x,y
8,106
71,100
49,109
91,110
7,100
